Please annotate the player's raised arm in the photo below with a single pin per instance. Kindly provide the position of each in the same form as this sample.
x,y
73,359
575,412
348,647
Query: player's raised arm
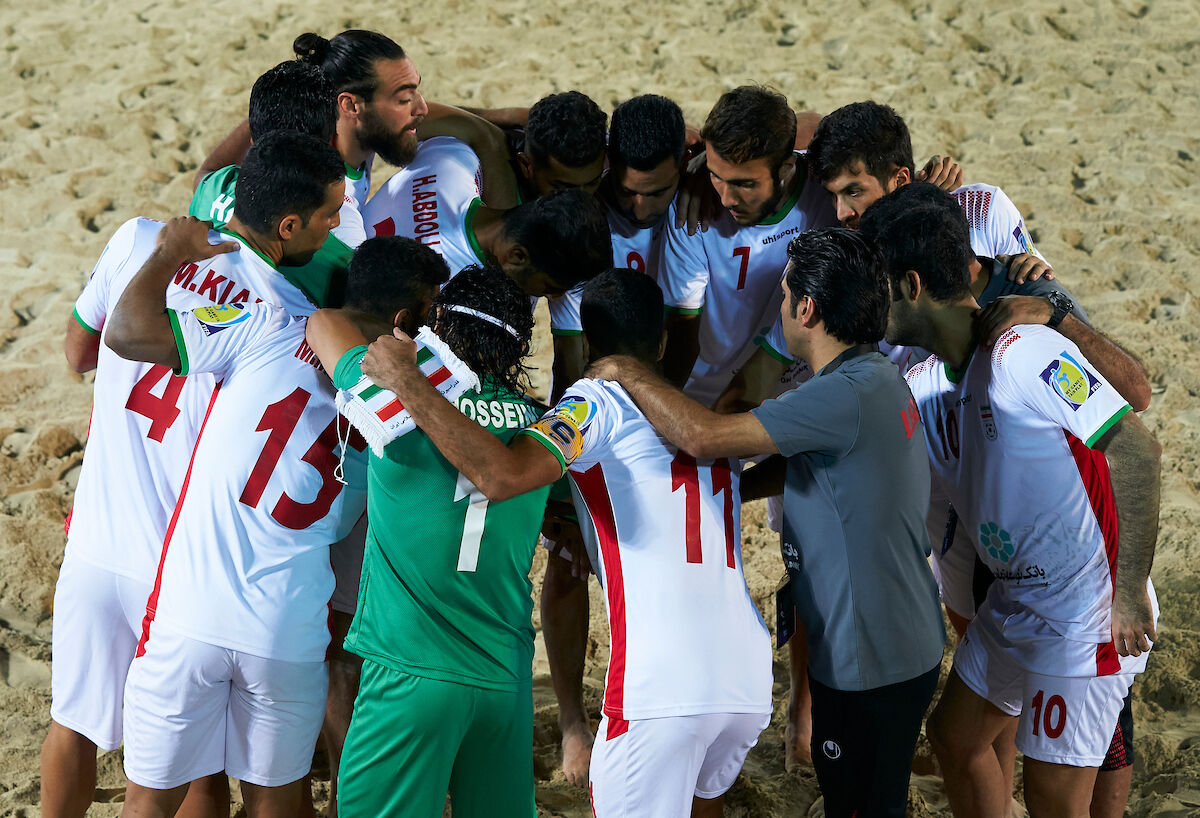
x,y
697,430
488,143
140,327
1133,463
231,151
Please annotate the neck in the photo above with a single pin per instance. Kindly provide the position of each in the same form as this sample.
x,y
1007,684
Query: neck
x,y
981,275
271,248
953,332
353,154
370,325
822,349
489,229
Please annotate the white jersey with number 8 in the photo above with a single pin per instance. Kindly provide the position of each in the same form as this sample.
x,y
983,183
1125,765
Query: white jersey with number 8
x,y
663,531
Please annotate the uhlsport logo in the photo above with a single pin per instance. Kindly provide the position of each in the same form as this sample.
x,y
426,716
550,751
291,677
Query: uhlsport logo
x,y
1070,380
831,750
996,542
221,316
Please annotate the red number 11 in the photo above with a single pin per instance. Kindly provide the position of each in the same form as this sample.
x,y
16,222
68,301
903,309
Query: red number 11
x,y
685,474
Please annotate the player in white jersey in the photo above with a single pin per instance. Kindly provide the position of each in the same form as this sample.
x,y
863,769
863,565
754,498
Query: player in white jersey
x,y
664,535
1071,616
144,424
244,576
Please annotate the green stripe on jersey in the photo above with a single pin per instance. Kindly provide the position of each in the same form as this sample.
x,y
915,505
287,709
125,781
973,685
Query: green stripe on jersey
x,y
765,345
177,331
82,323
1108,424
683,310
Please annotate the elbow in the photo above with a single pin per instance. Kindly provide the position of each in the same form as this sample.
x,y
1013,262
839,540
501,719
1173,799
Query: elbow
x,y
120,341
498,489
1139,397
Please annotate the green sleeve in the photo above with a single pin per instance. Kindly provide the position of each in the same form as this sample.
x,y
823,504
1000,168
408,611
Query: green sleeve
x,y
213,199
348,369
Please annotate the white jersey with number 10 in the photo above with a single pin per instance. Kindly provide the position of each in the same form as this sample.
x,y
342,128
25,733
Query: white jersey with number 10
x,y
663,531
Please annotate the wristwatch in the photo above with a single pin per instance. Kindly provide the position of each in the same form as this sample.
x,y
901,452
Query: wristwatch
x,y
1062,305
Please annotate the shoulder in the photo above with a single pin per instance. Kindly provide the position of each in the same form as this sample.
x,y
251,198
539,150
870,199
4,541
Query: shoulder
x,y
982,203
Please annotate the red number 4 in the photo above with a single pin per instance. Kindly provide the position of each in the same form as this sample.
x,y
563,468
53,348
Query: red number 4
x,y
685,474
161,411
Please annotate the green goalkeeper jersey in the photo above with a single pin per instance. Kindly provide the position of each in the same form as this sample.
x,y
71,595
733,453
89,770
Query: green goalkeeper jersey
x,y
445,591
323,279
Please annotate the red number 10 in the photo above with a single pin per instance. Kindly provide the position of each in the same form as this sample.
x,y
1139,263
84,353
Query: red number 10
x,y
685,474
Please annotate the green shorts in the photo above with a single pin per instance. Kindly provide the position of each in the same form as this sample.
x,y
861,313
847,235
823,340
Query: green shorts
x,y
413,739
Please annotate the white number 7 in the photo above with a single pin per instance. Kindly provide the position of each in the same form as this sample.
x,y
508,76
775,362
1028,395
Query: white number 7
x,y
468,551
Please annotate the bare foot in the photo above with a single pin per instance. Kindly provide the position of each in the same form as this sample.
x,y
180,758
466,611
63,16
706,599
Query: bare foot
x,y
797,741
577,754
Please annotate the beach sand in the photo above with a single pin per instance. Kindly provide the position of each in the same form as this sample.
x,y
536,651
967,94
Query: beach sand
x,y
1086,113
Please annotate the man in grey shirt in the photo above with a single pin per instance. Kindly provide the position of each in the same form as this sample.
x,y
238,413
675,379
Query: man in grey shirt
x,y
856,491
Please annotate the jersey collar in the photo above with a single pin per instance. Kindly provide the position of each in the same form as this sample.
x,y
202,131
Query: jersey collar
x,y
242,241
956,377
354,174
847,355
469,223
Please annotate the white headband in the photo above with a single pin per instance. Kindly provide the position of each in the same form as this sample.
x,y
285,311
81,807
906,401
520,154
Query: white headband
x,y
483,316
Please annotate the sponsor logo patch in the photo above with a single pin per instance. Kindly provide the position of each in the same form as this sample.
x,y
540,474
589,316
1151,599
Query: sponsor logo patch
x,y
996,542
1070,380
221,316
831,750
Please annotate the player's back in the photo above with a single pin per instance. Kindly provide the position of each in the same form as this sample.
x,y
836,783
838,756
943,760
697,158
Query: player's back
x,y
245,563
432,200
445,590
144,418
664,534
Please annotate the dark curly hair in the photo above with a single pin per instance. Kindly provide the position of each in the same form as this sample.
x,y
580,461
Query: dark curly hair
x,y
492,352
751,122
866,132
293,96
569,127
645,131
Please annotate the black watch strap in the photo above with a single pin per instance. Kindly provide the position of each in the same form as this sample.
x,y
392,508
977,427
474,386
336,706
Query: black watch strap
x,y
1062,305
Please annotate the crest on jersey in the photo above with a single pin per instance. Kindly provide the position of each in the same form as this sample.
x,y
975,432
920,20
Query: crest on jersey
x,y
221,316
1070,380
1023,239
563,426
989,421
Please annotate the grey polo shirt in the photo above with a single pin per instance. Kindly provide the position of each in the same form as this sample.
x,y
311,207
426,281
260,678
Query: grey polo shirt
x,y
854,537
998,285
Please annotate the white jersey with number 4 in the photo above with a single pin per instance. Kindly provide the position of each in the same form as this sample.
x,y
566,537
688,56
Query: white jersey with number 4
x,y
1010,442
729,276
245,561
663,532
144,418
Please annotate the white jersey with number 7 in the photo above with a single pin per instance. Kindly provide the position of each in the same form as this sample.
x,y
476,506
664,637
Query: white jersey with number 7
x,y
663,531
144,418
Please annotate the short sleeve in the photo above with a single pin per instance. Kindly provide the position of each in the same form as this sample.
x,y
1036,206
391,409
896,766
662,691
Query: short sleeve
x,y
1048,374
92,306
682,268
1011,236
819,416
209,339
564,312
773,342
348,371
213,199
576,427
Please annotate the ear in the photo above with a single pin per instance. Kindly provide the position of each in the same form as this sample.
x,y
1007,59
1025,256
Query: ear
x,y
349,104
806,311
288,226
525,165
911,286
514,257
662,346
901,177
404,320
787,168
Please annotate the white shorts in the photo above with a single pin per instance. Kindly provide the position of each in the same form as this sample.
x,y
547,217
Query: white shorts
x,y
97,621
194,709
1062,719
654,767
346,558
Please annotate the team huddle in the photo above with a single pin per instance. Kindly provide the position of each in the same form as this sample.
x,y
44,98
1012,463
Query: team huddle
x,y
314,481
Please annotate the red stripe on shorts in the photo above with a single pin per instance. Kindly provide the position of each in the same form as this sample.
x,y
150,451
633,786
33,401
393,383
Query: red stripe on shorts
x,y
595,494
1093,471
152,602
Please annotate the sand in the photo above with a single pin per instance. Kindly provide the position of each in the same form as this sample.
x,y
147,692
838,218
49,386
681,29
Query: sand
x,y
1086,113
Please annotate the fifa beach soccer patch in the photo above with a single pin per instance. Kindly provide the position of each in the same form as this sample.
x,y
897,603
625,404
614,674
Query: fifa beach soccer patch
x,y
221,316
1070,380
563,426
1023,239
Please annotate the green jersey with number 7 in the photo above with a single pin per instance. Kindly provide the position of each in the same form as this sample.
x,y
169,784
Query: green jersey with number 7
x,y
445,591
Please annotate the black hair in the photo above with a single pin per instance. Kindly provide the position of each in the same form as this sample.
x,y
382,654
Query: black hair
x,y
645,131
285,172
349,58
568,127
392,273
293,96
490,351
622,313
751,122
864,132
566,234
843,273
921,227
